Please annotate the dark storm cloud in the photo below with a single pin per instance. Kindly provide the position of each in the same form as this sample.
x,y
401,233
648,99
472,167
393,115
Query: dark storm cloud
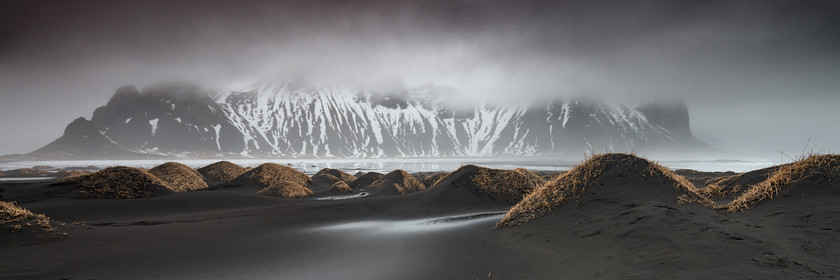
x,y
719,55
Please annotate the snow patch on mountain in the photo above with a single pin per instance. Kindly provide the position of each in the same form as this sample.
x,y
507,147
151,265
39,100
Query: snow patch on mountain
x,y
286,119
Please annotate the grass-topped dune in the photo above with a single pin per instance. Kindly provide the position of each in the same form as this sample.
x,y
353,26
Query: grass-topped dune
x,y
343,176
507,186
365,180
323,182
286,189
396,182
432,179
272,174
340,187
809,176
181,178
25,172
67,174
608,177
222,171
121,183
14,218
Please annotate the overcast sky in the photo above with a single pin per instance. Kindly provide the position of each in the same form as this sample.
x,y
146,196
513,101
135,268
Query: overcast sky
x,y
758,76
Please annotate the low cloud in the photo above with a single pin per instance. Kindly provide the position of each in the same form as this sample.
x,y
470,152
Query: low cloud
x,y
71,55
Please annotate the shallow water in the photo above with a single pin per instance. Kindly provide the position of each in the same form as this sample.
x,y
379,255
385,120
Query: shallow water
x,y
342,197
412,226
311,166
5,179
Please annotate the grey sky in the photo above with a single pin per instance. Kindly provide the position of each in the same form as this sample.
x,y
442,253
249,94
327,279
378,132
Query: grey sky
x,y
759,76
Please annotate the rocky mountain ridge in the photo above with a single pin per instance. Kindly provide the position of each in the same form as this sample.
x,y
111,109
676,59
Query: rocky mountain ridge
x,y
286,119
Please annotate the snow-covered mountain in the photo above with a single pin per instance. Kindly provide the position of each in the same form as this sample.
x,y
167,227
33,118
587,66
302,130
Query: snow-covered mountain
x,y
287,119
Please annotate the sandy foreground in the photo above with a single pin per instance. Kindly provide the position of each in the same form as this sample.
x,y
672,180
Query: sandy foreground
x,y
444,232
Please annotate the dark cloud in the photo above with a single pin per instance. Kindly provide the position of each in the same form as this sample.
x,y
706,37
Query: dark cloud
x,y
732,60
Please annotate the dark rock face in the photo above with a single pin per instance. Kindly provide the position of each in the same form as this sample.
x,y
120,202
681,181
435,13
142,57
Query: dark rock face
x,y
83,139
173,117
282,119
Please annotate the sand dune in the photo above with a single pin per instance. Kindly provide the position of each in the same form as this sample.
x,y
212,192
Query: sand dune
x,y
365,180
343,176
615,216
180,177
323,182
120,182
815,175
507,186
611,177
396,182
432,179
287,189
271,174
222,171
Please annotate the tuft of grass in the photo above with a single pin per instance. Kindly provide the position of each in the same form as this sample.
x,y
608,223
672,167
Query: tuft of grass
x,y
65,175
222,171
365,180
510,185
25,172
827,165
343,176
399,181
433,179
325,179
690,193
721,187
287,189
272,174
180,177
573,184
121,183
15,217
554,193
341,187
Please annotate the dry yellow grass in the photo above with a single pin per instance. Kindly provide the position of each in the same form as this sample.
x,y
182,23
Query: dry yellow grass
x,y
344,176
325,179
433,179
180,177
399,180
120,182
222,171
271,174
573,184
826,165
721,187
341,187
287,189
26,172
66,175
690,193
365,180
510,185
15,217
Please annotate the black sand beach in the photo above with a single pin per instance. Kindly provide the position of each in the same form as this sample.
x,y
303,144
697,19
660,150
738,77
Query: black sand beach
x,y
443,232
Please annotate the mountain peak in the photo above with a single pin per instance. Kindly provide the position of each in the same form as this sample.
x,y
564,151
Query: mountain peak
x,y
82,139
282,118
124,96
80,125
